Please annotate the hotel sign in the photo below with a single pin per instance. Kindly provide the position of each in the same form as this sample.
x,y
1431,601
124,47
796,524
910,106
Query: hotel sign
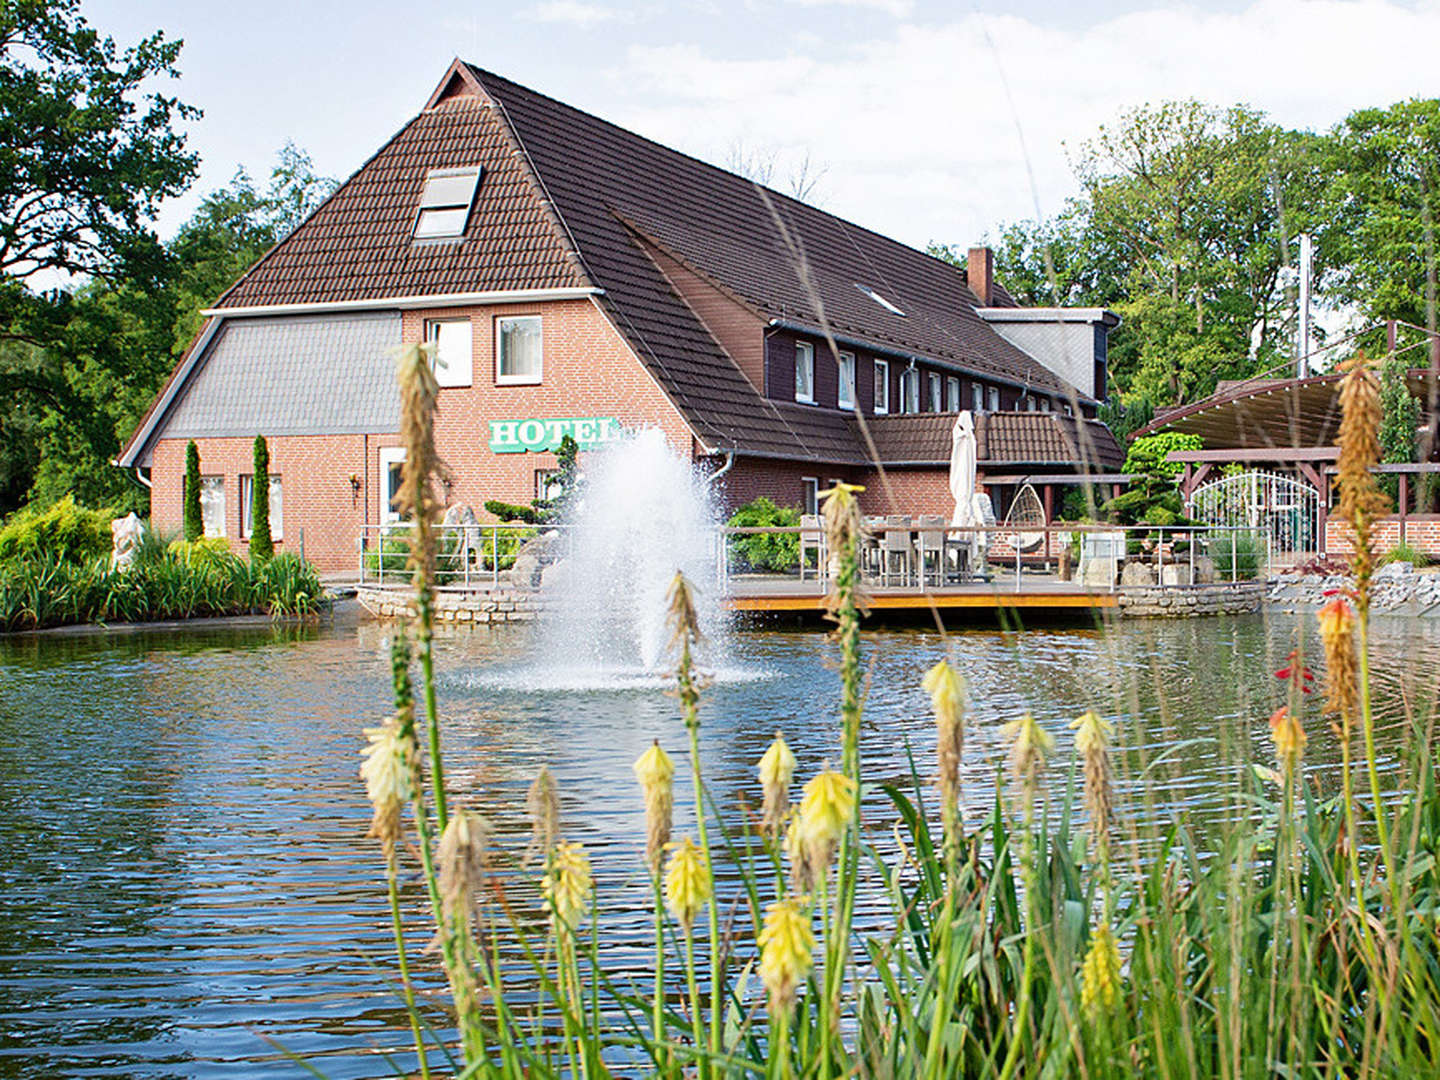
x,y
535,434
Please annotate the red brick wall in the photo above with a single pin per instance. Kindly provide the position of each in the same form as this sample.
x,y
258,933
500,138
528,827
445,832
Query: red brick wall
x,y
588,370
1421,531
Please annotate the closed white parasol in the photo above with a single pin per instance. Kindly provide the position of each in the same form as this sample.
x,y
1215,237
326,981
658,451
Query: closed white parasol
x,y
962,469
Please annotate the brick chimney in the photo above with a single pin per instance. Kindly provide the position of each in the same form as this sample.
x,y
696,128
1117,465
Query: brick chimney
x,y
981,273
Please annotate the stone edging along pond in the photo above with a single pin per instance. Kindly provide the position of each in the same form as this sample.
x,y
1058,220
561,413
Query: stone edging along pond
x,y
1398,589
505,603
1189,601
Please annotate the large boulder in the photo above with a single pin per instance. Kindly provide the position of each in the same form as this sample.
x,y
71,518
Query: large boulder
x,y
1137,574
1204,570
1175,574
1097,573
125,536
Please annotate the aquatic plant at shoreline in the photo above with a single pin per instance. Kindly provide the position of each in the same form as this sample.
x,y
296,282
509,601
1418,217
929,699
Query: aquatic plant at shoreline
x,y
178,581
1027,941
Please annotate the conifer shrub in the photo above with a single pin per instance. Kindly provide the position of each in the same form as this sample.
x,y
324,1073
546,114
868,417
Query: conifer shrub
x,y
194,521
261,546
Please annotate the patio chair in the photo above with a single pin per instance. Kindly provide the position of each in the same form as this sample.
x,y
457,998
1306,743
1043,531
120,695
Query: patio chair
x,y
896,546
812,539
931,542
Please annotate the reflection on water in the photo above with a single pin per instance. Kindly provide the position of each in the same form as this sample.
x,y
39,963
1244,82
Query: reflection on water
x,y
183,873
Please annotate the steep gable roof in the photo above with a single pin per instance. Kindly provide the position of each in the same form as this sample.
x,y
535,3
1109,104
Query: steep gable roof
x,y
790,260
359,244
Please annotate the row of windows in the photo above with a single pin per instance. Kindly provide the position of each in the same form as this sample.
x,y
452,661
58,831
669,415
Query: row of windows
x,y
212,506
519,352
942,392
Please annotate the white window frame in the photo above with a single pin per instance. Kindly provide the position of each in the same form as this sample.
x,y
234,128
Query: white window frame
x,y
501,379
810,494
937,399
992,398
845,379
977,397
457,371
882,387
389,456
805,361
445,203
910,390
214,481
277,513
952,394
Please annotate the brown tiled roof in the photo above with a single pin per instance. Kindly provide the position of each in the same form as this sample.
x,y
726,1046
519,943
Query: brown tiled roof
x,y
1018,438
751,240
359,244
559,204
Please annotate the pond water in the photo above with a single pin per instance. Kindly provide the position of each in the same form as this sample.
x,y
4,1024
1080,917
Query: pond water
x,y
185,886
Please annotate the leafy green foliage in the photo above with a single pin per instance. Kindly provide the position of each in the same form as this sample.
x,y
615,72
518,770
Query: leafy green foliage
x,y
512,512
774,552
1122,417
64,531
261,546
1147,454
567,478
189,581
194,524
1237,554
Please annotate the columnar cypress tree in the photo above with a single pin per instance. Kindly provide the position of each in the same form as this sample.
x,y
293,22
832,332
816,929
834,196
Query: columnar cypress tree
x,y
194,521
261,546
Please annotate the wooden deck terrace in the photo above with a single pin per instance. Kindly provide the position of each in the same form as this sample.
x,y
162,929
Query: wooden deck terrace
x,y
1036,592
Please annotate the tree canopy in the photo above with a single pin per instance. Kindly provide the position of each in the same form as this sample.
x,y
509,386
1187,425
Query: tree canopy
x,y
1185,227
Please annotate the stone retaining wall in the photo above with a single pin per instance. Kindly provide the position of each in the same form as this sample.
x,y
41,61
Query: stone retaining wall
x,y
1187,601
498,605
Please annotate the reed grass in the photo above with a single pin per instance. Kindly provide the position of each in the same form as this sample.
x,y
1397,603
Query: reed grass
x,y
1031,941
162,584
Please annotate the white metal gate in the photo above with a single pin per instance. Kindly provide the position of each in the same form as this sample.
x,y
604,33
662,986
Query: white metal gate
x,y
1285,510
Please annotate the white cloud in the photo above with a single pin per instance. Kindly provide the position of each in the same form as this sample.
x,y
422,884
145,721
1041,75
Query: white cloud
x,y
915,125
898,8
579,14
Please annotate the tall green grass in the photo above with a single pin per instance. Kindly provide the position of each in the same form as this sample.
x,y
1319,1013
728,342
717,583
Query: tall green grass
x,y
163,584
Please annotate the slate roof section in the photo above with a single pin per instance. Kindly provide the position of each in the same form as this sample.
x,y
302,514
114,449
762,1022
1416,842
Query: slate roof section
x,y
306,375
1008,439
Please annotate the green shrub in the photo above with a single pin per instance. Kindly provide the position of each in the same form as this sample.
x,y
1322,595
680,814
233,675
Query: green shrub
x,y
511,512
261,546
1406,553
1237,554
207,551
1147,454
775,552
177,582
68,532
193,517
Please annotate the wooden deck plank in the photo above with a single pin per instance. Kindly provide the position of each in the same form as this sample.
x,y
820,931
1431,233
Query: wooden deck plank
x,y
900,601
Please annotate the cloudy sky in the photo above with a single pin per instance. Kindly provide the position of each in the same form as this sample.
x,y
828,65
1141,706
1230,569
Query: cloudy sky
x,y
931,121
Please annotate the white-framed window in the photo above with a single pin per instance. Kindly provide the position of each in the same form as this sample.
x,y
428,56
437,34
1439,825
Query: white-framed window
x,y
910,391
805,372
1044,404
247,507
952,394
845,370
977,397
519,352
212,505
391,460
1028,403
882,387
936,404
810,494
1065,407
992,398
453,356
547,484
445,203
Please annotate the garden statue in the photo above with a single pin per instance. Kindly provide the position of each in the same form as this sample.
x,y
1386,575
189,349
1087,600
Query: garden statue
x,y
126,534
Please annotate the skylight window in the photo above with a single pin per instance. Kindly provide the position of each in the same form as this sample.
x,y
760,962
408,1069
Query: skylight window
x,y
445,203
886,304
